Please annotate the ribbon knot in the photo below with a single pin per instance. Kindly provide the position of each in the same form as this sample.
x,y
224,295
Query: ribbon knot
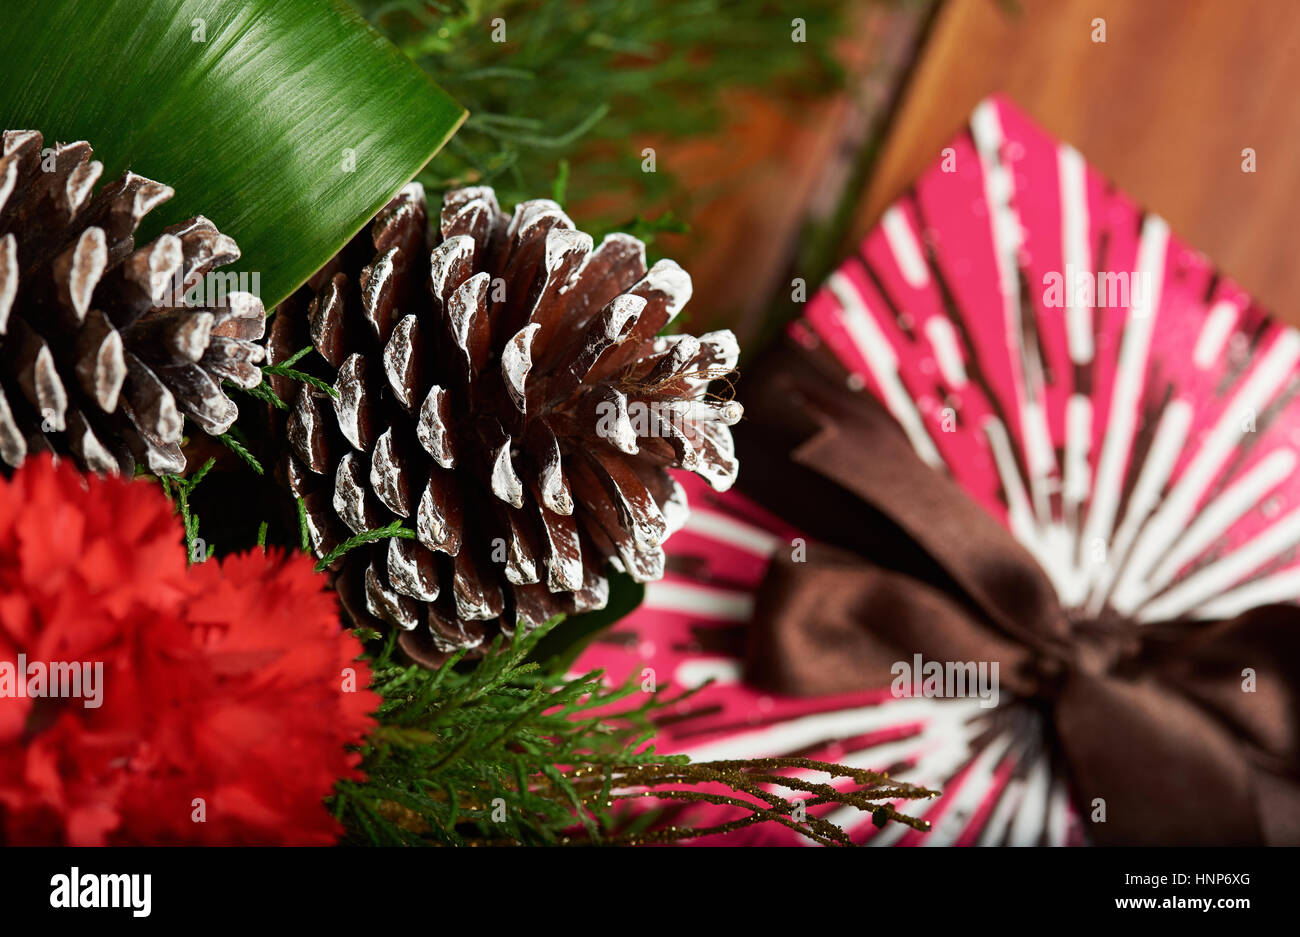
x,y
1105,644
1096,647
1153,718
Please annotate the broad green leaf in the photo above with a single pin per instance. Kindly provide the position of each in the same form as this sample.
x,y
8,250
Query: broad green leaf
x,y
288,123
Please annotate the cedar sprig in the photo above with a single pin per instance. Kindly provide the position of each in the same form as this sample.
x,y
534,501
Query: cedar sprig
x,y
285,369
395,529
234,441
506,753
179,488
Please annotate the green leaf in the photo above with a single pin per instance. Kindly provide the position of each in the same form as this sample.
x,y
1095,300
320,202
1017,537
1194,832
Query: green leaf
x,y
248,109
566,641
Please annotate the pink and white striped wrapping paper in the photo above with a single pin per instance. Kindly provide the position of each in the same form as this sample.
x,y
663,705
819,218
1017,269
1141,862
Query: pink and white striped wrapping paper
x,y
1140,443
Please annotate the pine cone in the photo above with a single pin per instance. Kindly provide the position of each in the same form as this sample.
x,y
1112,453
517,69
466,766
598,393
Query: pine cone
x,y
501,391
100,352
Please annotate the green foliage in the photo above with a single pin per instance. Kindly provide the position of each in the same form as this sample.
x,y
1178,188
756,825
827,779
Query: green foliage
x,y
453,742
179,489
247,108
502,753
567,102
232,441
395,529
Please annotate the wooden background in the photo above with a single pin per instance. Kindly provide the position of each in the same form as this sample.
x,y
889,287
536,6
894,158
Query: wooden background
x,y
781,168
1163,108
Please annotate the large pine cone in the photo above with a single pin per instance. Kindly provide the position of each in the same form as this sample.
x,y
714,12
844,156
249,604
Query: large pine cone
x,y
101,354
499,389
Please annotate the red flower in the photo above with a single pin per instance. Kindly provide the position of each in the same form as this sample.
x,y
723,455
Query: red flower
x,y
227,692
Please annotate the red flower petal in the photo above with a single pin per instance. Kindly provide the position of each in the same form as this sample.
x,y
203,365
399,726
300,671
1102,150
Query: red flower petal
x,y
224,716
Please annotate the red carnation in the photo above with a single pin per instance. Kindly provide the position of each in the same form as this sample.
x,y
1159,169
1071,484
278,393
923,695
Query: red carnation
x,y
227,692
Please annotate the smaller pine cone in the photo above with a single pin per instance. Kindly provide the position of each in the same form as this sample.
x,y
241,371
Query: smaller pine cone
x,y
102,352
503,391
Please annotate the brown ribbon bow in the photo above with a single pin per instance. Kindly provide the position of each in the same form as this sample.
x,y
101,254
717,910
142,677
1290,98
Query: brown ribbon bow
x,y
1150,717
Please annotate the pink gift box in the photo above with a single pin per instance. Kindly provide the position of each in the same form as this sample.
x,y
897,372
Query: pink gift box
x,y
1090,380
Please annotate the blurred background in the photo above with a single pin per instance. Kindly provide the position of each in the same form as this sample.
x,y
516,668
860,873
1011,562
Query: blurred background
x,y
781,130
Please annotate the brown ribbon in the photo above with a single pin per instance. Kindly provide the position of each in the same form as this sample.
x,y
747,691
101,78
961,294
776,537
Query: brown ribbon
x,y
1150,717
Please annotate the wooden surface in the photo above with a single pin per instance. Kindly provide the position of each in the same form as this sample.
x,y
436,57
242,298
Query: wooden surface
x,y
1163,108
780,165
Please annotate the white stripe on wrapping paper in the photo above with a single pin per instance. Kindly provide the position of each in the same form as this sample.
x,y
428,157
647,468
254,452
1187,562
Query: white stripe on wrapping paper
x,y
721,670
1129,376
995,829
733,532
1077,482
1283,587
1008,236
1029,821
1038,451
1172,518
700,601
1219,576
1171,433
906,250
1059,542
976,787
1011,808
874,347
1005,460
999,190
803,732
1073,173
1078,440
943,338
1214,334
1019,514
1223,512
1058,814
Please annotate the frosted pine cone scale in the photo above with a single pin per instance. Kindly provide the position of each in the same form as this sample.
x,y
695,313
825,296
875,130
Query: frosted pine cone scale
x,y
499,389
105,348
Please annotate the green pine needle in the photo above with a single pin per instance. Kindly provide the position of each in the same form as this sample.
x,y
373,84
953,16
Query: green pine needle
x,y
235,446
278,368
179,489
285,369
302,525
303,378
263,392
395,529
560,186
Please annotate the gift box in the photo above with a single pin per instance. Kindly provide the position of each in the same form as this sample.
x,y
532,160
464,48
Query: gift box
x,y
1024,427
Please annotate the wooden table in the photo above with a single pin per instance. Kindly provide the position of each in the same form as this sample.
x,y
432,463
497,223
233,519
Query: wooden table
x,y
1164,107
